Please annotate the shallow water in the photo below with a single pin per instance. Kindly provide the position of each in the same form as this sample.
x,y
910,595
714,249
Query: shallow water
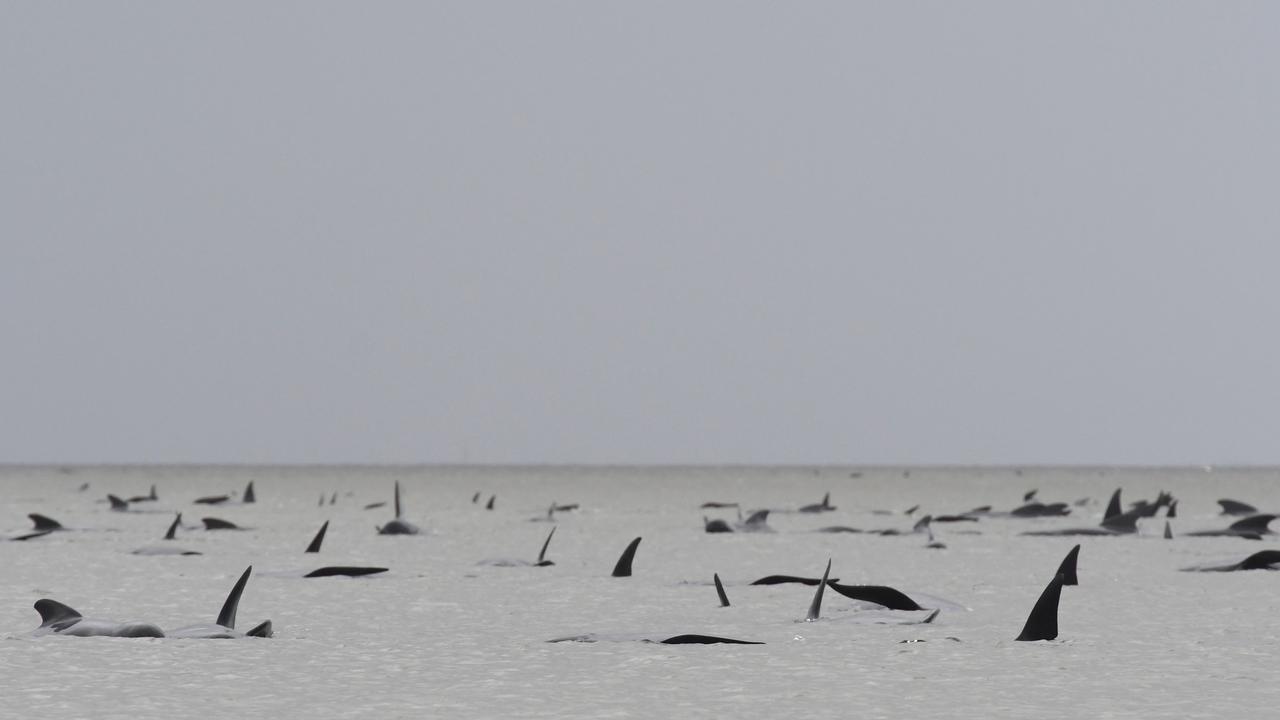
x,y
440,635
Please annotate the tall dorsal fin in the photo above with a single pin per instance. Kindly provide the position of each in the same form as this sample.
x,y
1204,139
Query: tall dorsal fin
x,y
173,527
1042,623
623,568
1172,512
1113,507
397,499
475,498
826,500
52,611
1068,567
815,607
43,522
314,547
117,503
227,618
724,599
1254,524
248,493
489,505
542,554
1168,531
153,495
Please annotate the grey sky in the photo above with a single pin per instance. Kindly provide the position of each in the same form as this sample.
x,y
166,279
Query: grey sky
x,y
642,232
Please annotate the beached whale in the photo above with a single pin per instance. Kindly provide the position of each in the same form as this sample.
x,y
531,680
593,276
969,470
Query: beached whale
x,y
542,560
59,619
623,567
152,497
1250,528
225,626
1114,522
824,506
1235,507
1263,560
686,639
166,549
1042,623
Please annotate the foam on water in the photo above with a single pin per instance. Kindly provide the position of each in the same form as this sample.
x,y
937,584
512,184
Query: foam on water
x,y
439,635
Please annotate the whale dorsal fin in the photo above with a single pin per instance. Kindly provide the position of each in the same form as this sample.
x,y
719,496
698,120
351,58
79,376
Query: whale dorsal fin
x,y
153,495
1168,531
43,522
173,527
227,618
1253,524
489,505
623,568
248,493
397,499
321,504
52,611
1113,507
1172,511
1126,522
475,498
1030,494
826,500
922,524
1042,623
815,607
213,523
314,547
1068,567
262,629
117,503
1264,560
542,554
891,598
1235,507
720,589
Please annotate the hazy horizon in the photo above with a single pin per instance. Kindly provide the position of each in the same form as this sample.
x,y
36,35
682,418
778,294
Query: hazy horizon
x,y
987,233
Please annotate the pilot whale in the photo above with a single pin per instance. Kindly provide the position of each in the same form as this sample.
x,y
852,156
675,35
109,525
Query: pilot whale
x,y
225,626
398,526
59,619
1042,623
542,560
166,549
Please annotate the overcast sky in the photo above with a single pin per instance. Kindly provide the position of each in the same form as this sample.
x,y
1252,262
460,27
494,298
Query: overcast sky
x,y
940,232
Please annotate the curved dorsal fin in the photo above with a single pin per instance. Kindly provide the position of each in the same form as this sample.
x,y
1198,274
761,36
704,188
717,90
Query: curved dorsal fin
x,y
489,505
173,527
314,547
724,599
1113,507
1068,567
1172,511
623,568
43,522
542,554
262,629
815,607
1254,524
1235,507
1042,623
248,493
52,611
227,618
891,598
117,503
213,523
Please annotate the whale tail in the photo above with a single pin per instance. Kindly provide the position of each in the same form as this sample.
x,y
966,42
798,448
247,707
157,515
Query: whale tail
x,y
542,554
724,599
173,527
248,493
1042,623
53,613
1068,567
815,607
314,547
227,618
117,503
623,568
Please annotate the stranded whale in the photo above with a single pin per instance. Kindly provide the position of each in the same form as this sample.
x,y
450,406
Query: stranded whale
x,y
398,526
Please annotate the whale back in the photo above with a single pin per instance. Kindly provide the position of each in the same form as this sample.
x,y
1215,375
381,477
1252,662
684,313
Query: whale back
x,y
1264,560
891,598
314,547
1256,524
623,568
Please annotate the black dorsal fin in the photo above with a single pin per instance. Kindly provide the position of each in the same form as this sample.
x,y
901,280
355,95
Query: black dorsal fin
x,y
52,611
43,522
815,607
826,500
1235,507
1042,623
227,618
1256,524
262,629
891,598
1172,511
623,568
397,499
542,554
1030,494
1113,507
117,503
153,495
1068,567
1168,531
1126,522
248,493
173,527
724,599
314,547
489,505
